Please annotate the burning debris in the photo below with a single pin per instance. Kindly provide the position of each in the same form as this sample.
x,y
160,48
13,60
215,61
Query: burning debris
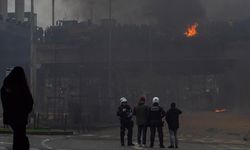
x,y
192,30
221,110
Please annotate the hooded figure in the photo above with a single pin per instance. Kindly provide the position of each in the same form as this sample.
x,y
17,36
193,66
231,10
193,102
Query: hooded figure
x,y
141,113
172,118
17,103
125,113
155,115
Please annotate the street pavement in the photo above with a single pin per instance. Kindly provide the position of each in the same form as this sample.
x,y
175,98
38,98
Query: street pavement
x,y
109,140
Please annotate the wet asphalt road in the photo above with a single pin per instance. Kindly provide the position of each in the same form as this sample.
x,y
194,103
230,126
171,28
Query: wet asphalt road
x,y
109,142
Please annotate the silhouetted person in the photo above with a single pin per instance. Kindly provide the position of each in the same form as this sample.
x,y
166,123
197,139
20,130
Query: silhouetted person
x,y
125,113
172,118
155,115
17,103
141,113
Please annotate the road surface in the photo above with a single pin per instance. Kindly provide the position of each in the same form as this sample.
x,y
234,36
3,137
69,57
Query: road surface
x,y
110,141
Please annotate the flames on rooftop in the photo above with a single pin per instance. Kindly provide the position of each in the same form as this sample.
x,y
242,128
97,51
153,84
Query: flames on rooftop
x,y
191,30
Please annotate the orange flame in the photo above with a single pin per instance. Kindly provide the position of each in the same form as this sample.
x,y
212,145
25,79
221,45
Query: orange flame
x,y
220,110
192,30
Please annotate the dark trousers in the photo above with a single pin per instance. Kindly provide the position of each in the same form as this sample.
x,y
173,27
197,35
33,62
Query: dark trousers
x,y
173,137
129,135
142,132
152,136
20,140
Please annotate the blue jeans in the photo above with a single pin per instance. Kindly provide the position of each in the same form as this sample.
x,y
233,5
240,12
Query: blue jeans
x,y
173,137
142,132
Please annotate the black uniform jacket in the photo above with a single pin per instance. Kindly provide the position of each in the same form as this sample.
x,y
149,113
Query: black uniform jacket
x,y
125,113
155,115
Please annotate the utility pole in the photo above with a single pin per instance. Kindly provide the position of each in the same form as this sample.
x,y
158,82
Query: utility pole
x,y
150,34
32,56
32,52
55,61
110,9
109,48
110,98
91,12
53,12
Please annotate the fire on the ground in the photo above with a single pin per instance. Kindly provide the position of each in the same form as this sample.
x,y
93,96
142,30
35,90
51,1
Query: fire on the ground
x,y
220,110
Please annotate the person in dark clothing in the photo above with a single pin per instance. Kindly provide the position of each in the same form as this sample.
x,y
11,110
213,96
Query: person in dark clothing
x,y
17,103
172,118
155,115
125,113
141,113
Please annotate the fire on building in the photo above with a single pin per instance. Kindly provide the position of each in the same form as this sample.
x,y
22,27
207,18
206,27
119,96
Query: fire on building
x,y
83,68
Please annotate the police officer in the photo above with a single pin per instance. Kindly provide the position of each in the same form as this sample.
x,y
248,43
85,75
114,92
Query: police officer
x,y
125,113
156,113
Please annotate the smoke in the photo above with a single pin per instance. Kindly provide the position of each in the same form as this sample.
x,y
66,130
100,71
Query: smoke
x,y
174,14
136,11
170,15
164,12
227,9
129,11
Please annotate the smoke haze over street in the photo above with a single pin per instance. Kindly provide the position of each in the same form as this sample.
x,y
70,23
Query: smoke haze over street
x,y
142,10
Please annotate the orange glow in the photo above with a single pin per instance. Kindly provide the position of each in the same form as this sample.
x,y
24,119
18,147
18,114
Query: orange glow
x,y
192,30
220,110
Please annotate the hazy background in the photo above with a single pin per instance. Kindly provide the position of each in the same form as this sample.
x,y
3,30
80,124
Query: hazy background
x,y
142,11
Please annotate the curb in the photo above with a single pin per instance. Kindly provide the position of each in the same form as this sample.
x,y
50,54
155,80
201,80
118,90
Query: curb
x,y
42,133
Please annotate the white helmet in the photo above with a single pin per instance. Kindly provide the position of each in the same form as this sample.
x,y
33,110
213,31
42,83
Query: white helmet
x,y
156,100
123,100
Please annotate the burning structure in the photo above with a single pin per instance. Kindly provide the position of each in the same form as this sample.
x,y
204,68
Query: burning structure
x,y
192,30
85,66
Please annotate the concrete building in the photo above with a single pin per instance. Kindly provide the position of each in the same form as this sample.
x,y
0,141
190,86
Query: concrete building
x,y
3,9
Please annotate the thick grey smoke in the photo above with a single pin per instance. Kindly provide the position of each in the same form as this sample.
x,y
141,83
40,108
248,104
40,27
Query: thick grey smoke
x,y
140,11
129,11
173,15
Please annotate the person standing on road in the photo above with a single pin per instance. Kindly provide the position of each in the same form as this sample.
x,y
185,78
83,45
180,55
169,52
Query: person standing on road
x,y
155,115
17,103
125,113
141,113
172,118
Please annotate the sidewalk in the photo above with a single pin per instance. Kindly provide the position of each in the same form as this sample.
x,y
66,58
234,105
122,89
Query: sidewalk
x,y
4,148
39,131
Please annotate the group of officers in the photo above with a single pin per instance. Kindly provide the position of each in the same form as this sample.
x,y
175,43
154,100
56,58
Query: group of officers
x,y
148,116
